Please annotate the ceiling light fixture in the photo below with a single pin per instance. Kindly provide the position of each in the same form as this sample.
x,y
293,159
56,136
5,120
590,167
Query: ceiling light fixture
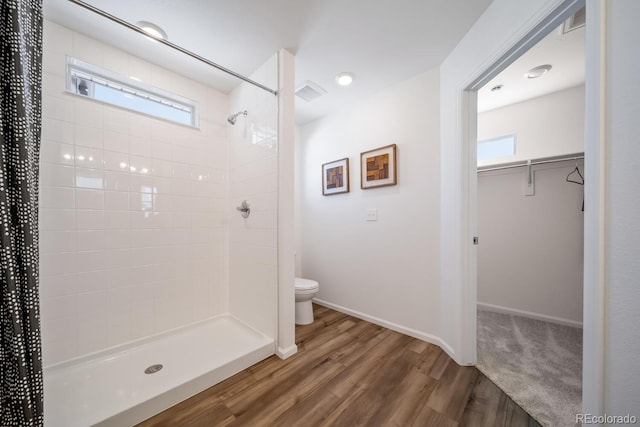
x,y
344,79
154,31
536,72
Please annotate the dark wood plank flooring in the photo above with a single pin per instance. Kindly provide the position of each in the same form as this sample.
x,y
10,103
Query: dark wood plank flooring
x,y
349,372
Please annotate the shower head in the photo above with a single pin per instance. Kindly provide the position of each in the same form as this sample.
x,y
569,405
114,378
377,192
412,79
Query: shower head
x,y
232,118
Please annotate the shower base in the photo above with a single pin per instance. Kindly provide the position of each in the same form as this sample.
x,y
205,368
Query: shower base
x,y
111,388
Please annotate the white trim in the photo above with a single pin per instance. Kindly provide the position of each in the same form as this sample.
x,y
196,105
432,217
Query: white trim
x,y
529,314
286,326
594,343
554,15
390,325
284,353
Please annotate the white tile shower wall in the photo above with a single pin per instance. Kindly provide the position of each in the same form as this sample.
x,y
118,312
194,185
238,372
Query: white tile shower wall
x,y
253,176
133,210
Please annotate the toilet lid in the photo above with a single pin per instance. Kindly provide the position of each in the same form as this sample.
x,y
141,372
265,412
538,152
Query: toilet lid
x,y
306,284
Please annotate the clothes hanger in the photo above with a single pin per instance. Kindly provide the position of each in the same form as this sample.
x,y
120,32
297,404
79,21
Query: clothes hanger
x,y
579,181
575,180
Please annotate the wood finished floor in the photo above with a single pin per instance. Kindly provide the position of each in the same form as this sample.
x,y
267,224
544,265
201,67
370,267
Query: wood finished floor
x,y
349,372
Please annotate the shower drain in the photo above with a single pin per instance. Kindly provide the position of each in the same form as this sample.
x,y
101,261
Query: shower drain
x,y
153,369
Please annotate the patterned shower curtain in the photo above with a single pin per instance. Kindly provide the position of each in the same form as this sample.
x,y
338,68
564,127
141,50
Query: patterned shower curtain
x,y
21,388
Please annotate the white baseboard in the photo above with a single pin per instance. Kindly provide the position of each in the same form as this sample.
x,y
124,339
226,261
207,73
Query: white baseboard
x,y
529,314
284,353
390,325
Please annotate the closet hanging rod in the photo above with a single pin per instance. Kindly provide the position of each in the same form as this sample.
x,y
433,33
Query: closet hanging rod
x,y
171,45
577,156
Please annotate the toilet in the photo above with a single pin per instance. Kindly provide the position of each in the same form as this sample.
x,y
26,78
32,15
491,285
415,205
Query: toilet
x,y
305,291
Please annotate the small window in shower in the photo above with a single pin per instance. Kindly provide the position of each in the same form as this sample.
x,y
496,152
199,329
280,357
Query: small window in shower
x,y
106,86
503,146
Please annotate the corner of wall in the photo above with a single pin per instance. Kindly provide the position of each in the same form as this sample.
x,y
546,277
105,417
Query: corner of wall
x,y
285,353
286,205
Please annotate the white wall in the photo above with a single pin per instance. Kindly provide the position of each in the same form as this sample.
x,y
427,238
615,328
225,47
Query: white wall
x,y
125,254
622,195
253,176
298,200
387,270
531,254
530,257
550,125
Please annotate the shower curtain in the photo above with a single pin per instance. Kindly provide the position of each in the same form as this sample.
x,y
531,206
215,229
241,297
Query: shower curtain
x,y
21,388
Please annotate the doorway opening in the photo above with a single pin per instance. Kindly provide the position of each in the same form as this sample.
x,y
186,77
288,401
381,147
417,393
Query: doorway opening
x,y
527,206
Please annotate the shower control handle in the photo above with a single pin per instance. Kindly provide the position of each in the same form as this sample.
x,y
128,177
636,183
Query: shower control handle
x,y
244,209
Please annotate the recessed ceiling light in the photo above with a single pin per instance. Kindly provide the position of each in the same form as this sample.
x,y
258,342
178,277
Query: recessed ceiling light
x,y
536,72
152,29
497,88
344,79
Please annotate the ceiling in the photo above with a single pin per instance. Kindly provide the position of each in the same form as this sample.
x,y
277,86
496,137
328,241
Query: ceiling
x,y
564,52
382,42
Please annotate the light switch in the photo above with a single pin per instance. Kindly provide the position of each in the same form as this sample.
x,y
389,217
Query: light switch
x,y
372,214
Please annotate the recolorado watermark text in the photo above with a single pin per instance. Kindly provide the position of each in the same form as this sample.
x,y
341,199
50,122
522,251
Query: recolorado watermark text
x,y
605,419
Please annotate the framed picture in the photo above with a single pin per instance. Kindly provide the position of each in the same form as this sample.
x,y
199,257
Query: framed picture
x,y
335,177
378,167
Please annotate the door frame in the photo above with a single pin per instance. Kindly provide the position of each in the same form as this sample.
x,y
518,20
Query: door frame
x,y
459,196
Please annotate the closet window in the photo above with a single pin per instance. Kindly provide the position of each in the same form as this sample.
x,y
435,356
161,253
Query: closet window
x,y
503,146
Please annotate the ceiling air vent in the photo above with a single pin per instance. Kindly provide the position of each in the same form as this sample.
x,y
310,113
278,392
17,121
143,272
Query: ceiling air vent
x,y
576,21
310,91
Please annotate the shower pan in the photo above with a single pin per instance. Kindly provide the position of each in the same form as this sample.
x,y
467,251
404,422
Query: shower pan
x,y
112,388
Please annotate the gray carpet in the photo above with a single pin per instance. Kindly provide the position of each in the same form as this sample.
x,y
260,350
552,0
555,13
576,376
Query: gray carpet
x,y
538,364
